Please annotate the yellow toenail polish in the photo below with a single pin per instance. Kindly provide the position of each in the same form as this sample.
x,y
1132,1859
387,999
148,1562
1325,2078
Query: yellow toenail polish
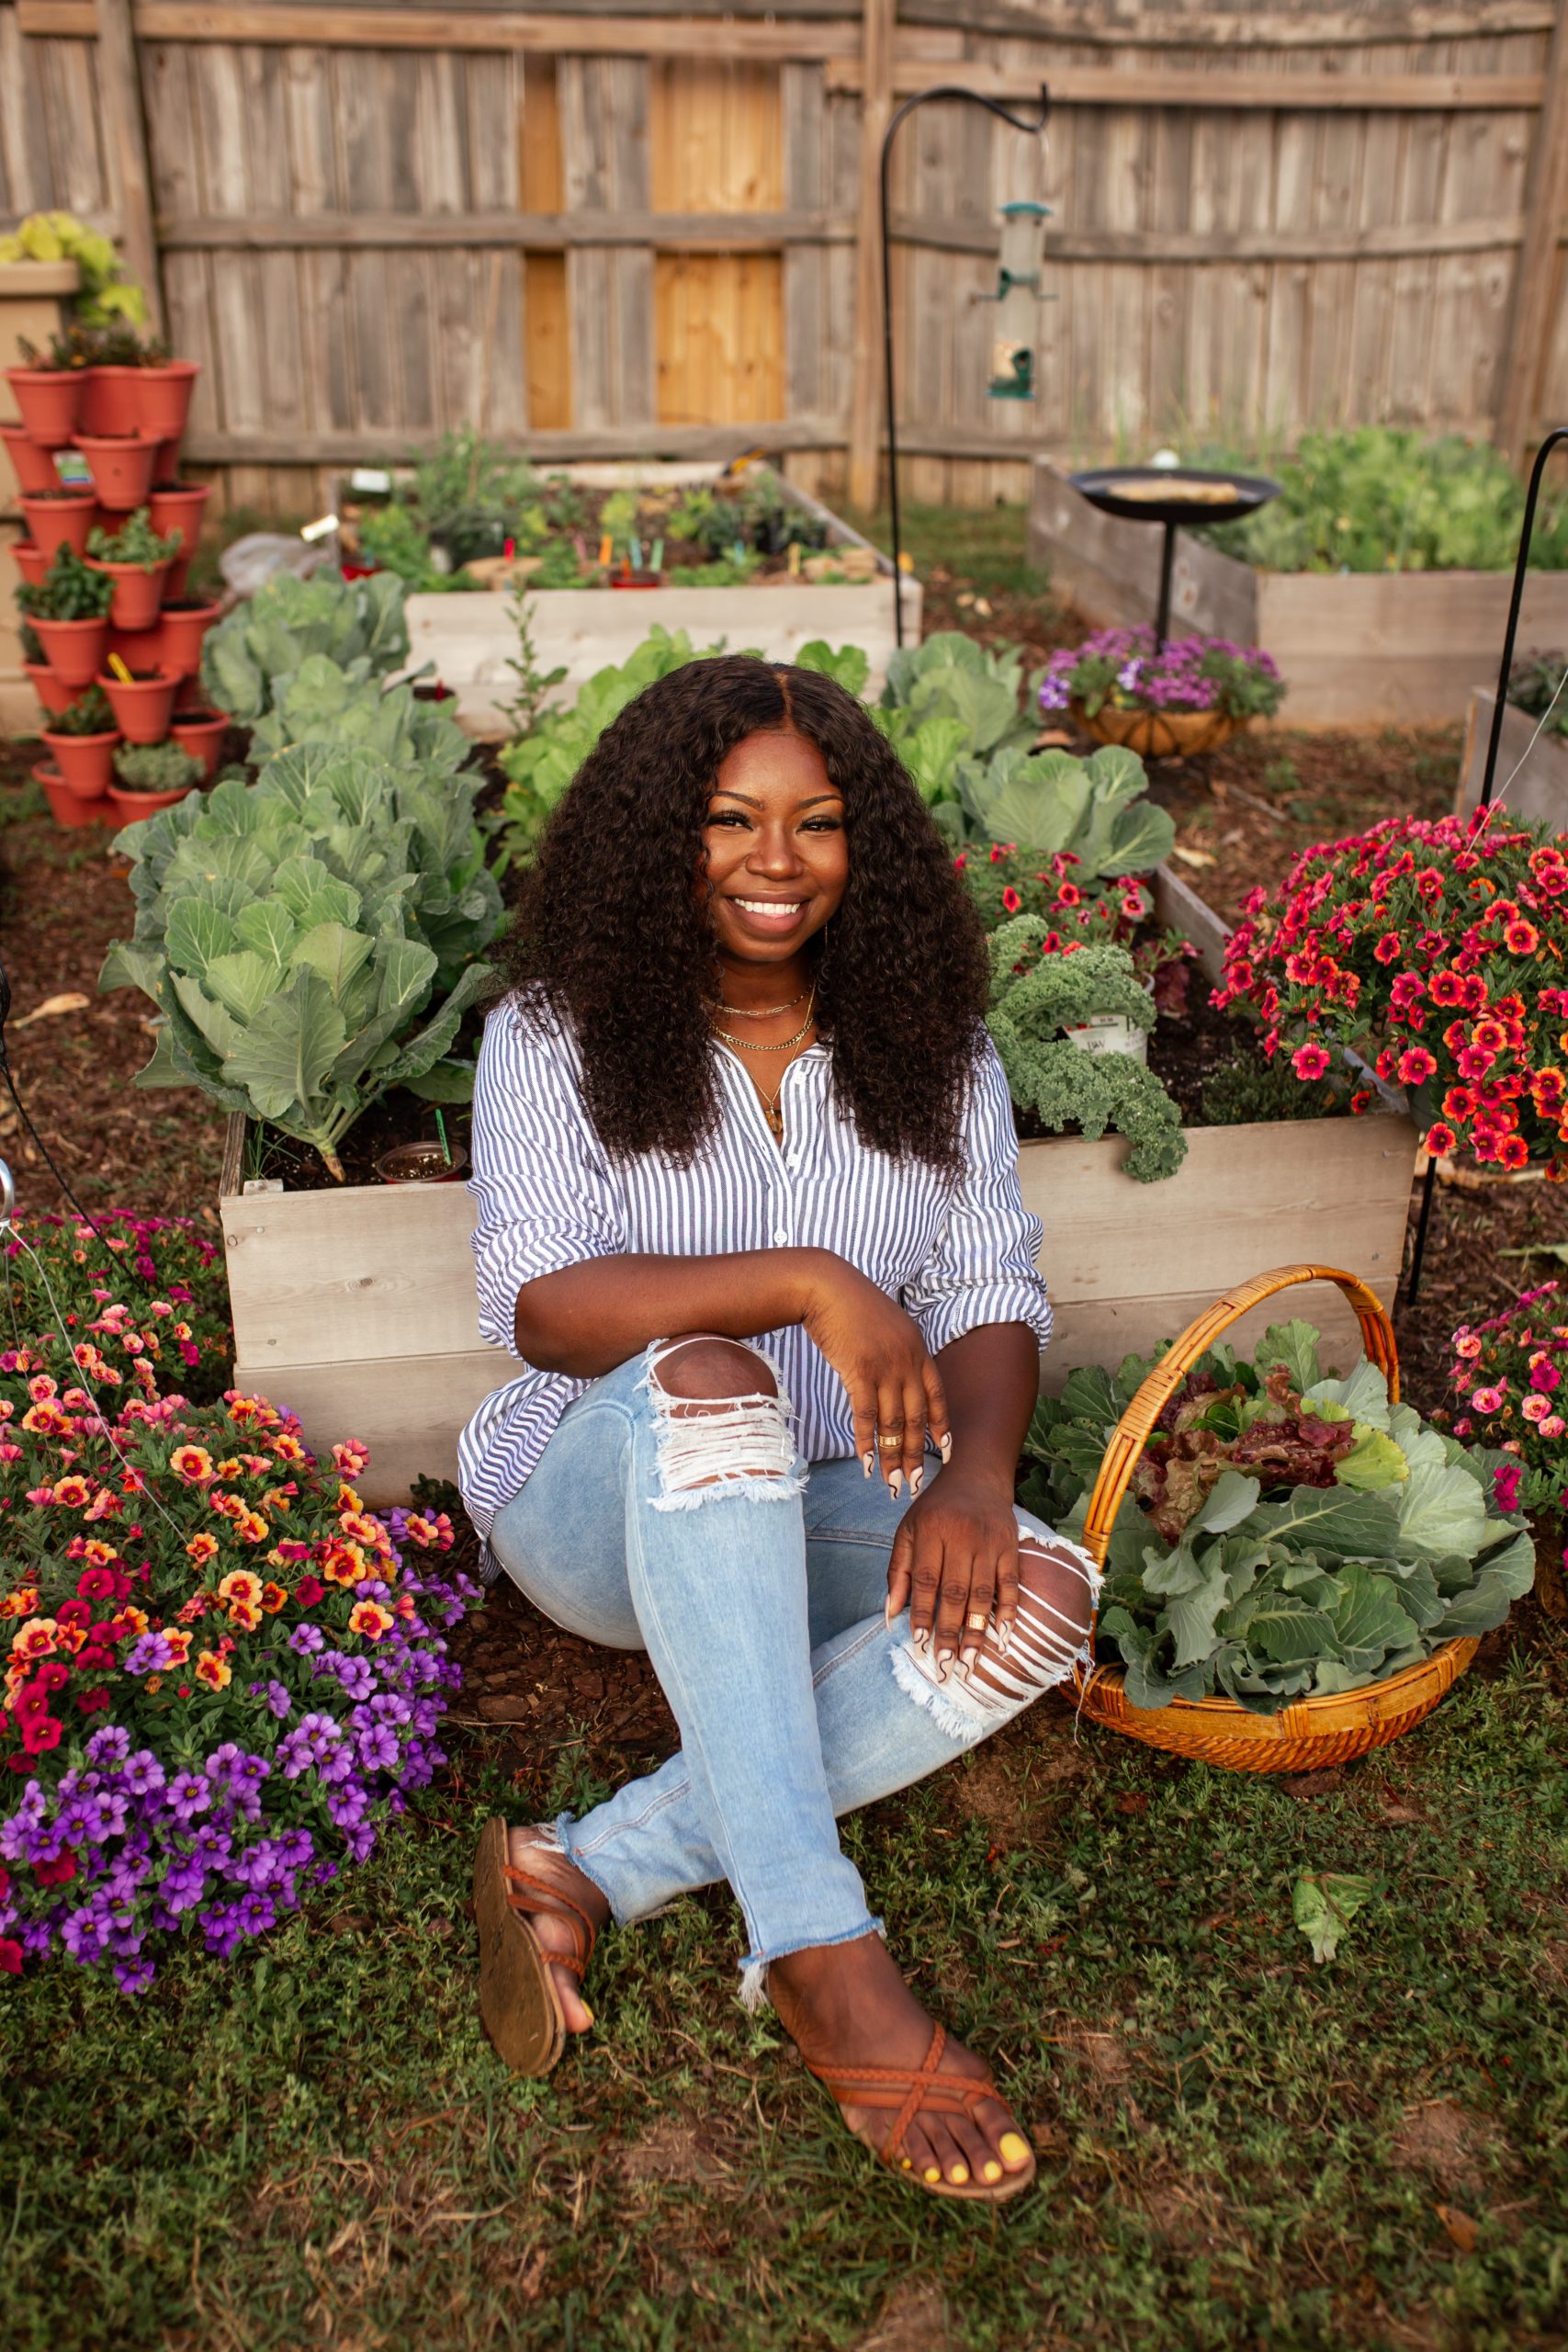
x,y
1015,2151
933,2172
908,2165
588,2013
992,2170
959,2174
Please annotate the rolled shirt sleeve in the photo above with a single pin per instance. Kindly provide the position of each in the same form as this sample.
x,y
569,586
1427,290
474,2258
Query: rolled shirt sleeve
x,y
984,1266
542,1191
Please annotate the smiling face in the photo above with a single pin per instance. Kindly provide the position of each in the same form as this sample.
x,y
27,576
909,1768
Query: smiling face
x,y
776,849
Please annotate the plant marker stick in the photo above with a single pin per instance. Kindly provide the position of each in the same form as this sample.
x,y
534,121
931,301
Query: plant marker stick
x,y
121,673
635,548
441,1131
795,559
606,549
656,560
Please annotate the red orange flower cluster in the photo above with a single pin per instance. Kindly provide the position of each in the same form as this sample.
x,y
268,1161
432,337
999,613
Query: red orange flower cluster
x,y
1435,952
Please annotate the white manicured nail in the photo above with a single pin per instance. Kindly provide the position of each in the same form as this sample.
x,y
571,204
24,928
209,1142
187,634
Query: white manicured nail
x,y
865,1459
896,1484
944,1445
916,1480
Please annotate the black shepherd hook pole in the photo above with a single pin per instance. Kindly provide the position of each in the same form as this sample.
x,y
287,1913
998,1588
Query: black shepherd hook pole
x,y
1018,122
1558,434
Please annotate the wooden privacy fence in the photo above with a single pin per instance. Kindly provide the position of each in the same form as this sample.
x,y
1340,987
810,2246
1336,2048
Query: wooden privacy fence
x,y
628,234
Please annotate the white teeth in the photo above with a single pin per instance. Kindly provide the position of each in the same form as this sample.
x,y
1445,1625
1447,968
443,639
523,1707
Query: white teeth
x,y
770,906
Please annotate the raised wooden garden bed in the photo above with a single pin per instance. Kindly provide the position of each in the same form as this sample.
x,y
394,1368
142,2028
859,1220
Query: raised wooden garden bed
x,y
1355,648
356,1307
472,638
1533,770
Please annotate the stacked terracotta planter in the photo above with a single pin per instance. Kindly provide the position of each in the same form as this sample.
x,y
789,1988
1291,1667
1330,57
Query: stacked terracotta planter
x,y
127,424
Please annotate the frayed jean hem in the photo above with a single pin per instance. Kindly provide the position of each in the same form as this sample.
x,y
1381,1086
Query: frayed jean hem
x,y
755,1966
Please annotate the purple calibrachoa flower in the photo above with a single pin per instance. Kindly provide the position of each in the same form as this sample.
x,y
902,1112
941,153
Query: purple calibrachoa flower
x,y
254,1742
1122,667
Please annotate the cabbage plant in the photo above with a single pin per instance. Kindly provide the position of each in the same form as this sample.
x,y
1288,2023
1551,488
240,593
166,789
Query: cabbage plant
x,y
1044,802
265,640
311,939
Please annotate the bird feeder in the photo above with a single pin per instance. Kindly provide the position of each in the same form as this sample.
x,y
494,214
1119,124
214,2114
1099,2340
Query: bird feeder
x,y
1017,296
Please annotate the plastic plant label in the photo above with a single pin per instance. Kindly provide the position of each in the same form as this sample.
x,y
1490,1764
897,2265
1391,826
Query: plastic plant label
x,y
1109,1033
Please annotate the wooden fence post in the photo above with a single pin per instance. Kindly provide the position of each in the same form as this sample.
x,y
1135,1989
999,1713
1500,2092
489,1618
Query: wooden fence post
x,y
124,138
1531,317
867,389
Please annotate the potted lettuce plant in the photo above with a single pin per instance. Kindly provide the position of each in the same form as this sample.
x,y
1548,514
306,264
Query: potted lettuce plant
x,y
69,613
82,741
150,776
136,560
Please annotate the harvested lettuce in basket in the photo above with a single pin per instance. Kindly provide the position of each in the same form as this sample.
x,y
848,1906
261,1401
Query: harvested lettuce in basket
x,y
1286,1533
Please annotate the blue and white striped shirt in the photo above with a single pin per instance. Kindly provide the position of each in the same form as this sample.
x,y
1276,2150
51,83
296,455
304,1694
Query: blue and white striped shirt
x,y
954,1254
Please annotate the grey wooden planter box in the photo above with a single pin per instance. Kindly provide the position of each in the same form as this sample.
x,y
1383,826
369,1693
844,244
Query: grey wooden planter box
x,y
471,639
1355,648
1533,770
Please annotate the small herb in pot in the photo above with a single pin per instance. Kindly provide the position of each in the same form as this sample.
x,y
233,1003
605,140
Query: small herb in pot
x,y
156,767
89,714
69,591
135,542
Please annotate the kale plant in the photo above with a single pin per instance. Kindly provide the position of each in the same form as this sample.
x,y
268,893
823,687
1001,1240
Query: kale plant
x,y
1287,1533
1034,998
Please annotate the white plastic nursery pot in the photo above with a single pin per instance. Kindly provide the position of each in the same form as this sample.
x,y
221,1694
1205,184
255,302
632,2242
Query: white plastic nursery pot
x,y
1110,1033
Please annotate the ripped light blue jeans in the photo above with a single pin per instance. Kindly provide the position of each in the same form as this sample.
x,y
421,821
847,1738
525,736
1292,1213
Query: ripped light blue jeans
x,y
757,1583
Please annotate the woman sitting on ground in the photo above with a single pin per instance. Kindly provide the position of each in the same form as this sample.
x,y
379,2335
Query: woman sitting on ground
x,y
748,1204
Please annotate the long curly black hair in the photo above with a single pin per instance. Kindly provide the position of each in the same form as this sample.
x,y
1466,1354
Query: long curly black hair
x,y
611,936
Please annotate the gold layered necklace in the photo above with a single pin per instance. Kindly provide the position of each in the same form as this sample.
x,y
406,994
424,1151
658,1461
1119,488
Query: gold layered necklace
x,y
772,1111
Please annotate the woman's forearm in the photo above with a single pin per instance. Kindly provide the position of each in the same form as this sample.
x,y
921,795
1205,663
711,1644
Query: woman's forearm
x,y
992,1379
586,1320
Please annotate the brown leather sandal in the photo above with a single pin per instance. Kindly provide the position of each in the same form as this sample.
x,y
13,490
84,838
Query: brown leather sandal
x,y
905,2096
519,2003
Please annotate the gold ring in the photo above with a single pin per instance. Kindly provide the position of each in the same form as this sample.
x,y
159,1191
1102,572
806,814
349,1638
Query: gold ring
x,y
978,1625
885,1437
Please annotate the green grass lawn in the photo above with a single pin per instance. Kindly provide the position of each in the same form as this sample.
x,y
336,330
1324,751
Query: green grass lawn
x,y
315,2145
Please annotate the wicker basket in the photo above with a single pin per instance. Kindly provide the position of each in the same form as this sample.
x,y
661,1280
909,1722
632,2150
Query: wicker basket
x,y
1310,1733
1158,734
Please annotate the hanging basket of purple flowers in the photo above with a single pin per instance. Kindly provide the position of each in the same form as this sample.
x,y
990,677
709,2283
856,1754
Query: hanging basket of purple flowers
x,y
1173,702
223,1675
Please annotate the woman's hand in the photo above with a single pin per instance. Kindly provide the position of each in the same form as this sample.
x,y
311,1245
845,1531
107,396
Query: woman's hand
x,y
954,1561
895,1390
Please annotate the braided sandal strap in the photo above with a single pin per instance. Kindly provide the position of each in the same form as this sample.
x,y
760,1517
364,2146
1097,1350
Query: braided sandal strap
x,y
557,1905
896,2088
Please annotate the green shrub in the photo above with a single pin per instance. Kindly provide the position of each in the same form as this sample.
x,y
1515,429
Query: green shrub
x,y
135,542
1251,1091
90,713
157,767
69,591
1378,498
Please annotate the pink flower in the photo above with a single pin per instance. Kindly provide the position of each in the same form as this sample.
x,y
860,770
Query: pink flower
x,y
1535,1408
1489,1400
1310,1061
1466,1344
1416,1064
1553,1426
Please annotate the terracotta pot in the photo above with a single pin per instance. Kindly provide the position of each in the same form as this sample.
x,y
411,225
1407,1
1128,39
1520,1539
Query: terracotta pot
x,y
166,464
138,593
121,467
85,762
74,650
421,1163
137,647
32,464
141,710
67,808
201,733
131,807
177,506
30,560
56,520
109,404
163,399
1157,734
637,580
48,399
184,626
54,696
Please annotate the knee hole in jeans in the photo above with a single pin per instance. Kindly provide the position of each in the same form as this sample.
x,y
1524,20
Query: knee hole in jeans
x,y
1057,1588
721,1422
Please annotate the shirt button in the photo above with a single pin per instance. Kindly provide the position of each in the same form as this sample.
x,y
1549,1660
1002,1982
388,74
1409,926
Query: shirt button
x,y
781,1235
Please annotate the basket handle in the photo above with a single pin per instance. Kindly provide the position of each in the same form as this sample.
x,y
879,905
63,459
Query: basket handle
x,y
1121,1456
